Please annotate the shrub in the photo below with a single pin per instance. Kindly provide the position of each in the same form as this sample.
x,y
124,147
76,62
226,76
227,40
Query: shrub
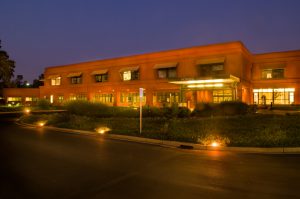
x,y
43,104
86,108
124,112
203,110
149,111
232,108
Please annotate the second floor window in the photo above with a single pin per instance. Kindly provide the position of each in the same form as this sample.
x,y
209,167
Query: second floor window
x,y
164,73
130,75
76,80
277,73
101,77
55,81
209,70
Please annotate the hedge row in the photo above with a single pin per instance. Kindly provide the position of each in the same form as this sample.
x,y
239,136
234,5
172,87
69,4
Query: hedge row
x,y
251,130
91,109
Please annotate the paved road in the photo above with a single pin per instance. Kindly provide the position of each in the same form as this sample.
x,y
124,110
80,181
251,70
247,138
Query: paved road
x,y
40,163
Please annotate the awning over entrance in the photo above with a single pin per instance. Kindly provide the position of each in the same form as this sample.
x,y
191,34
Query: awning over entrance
x,y
208,83
165,65
99,72
135,68
78,74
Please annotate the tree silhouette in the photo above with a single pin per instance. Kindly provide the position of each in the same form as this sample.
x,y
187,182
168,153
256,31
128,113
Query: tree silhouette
x,y
7,67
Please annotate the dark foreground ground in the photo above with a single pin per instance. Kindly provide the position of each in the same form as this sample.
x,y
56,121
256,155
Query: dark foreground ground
x,y
40,163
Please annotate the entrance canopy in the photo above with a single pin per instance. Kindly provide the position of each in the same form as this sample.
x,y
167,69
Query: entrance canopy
x,y
204,83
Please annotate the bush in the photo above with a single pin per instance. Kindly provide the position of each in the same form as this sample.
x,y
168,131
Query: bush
x,y
223,109
149,111
43,104
86,108
232,108
203,110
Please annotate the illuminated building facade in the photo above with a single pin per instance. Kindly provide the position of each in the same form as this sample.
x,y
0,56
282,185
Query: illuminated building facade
x,y
212,73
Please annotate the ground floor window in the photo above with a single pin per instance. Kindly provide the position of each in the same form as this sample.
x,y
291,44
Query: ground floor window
x,y
31,99
60,98
274,96
81,96
132,98
166,97
222,95
14,99
104,98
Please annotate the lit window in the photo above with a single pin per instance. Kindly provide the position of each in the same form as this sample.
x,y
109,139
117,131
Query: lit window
x,y
222,95
277,73
14,99
81,96
132,98
55,81
130,75
28,99
166,97
104,98
60,98
274,96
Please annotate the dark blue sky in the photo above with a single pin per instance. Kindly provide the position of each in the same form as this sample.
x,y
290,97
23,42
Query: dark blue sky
x,y
40,33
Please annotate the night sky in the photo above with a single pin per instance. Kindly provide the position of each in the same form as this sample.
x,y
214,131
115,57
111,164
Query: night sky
x,y
41,33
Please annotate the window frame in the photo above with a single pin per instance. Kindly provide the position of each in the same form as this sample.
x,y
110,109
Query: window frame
x,y
78,80
103,77
211,69
133,75
272,73
167,72
55,81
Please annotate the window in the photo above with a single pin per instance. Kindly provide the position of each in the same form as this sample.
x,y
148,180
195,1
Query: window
x,y
131,98
166,97
166,73
55,81
72,97
277,73
76,80
222,95
209,70
60,98
14,99
274,96
130,75
104,98
81,96
101,77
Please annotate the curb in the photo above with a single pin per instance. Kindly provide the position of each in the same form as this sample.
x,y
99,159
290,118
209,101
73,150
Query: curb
x,y
172,144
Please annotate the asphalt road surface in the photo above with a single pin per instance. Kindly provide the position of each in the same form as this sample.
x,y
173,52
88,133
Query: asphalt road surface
x,y
40,163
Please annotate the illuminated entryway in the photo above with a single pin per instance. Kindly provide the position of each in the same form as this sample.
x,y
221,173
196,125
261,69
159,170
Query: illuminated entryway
x,y
266,96
213,90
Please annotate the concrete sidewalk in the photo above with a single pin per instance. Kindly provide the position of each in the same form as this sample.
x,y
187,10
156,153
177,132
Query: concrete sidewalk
x,y
171,144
